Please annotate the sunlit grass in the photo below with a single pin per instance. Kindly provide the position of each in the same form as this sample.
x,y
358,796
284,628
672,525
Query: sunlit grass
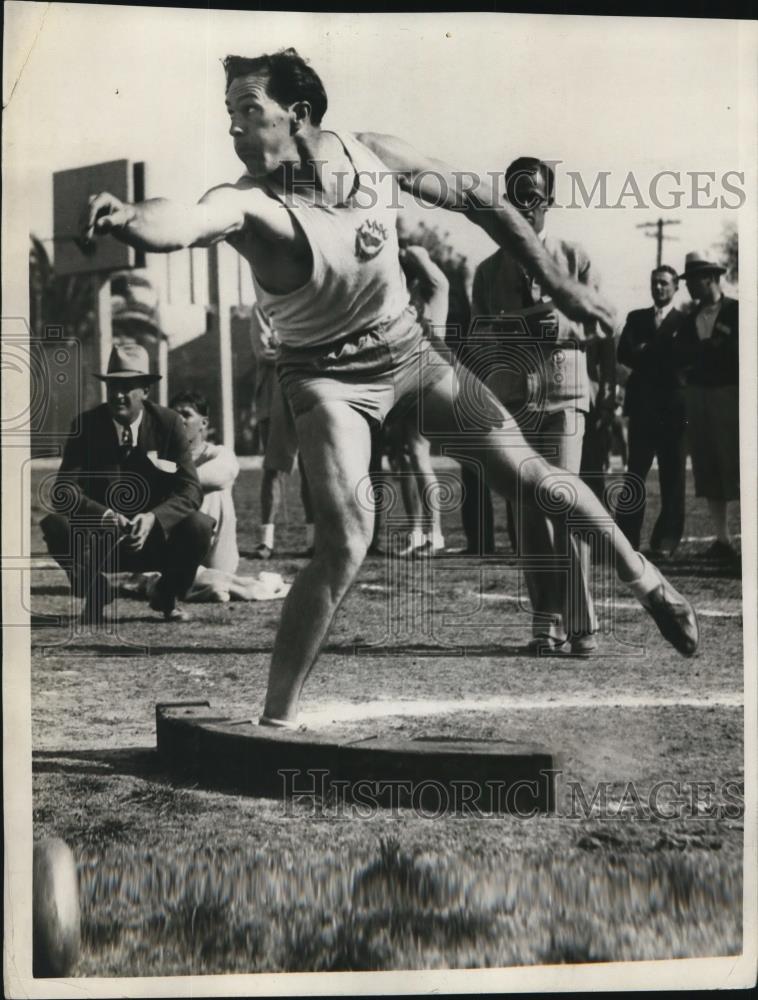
x,y
216,911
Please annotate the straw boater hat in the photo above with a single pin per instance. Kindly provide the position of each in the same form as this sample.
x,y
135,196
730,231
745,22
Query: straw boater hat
x,y
129,361
696,262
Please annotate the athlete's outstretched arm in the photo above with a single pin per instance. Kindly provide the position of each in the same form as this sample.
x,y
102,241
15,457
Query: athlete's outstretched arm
x,y
160,226
475,196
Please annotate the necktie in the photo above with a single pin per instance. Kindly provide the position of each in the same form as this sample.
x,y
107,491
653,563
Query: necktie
x,y
126,442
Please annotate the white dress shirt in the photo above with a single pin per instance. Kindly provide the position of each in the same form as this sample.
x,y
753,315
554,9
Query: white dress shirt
x,y
661,312
134,427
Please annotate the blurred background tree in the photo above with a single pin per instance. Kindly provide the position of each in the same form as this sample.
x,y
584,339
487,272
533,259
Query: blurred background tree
x,y
729,253
68,302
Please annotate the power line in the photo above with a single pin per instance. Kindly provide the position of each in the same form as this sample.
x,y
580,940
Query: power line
x,y
658,234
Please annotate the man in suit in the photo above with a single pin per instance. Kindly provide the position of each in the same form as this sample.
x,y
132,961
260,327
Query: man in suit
x,y
654,404
707,348
541,376
127,495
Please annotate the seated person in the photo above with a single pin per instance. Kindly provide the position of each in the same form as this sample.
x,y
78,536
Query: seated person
x,y
217,580
127,495
217,469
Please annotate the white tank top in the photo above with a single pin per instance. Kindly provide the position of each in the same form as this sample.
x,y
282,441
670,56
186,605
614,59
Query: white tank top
x,y
356,281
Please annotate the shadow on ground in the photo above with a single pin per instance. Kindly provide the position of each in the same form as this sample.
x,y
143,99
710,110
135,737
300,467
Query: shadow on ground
x,y
137,762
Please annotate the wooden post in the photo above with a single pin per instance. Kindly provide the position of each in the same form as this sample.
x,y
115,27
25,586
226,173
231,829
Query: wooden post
x,y
103,327
220,302
163,370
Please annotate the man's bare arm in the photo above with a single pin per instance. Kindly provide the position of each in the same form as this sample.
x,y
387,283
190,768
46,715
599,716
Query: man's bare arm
x,y
434,284
437,183
160,225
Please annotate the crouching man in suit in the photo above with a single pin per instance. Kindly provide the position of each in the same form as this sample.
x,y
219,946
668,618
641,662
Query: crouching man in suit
x,y
127,495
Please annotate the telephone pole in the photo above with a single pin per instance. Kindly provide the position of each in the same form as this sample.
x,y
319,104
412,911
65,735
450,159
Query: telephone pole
x,y
658,234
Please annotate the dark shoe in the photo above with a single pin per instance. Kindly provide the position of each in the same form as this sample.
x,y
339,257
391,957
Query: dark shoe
x,y
662,549
547,645
166,606
722,552
425,551
262,551
177,615
582,645
374,550
674,616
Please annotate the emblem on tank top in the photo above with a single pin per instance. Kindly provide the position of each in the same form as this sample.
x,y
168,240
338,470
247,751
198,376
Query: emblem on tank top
x,y
370,237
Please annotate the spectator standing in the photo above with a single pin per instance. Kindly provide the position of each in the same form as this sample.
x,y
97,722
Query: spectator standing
x,y
707,348
546,387
654,403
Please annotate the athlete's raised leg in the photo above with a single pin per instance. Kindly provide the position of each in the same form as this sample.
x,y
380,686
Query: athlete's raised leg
x,y
335,443
512,466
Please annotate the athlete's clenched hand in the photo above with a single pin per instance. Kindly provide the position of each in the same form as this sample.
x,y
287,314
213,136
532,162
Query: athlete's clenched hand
x,y
103,213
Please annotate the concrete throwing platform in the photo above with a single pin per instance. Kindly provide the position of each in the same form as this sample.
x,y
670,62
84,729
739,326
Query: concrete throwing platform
x,y
433,775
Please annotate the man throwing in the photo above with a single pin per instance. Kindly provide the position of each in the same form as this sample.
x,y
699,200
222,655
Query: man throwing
x,y
314,215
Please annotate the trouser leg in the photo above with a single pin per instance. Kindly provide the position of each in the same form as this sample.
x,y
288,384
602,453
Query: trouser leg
x,y
535,540
560,593
719,511
578,609
672,458
84,553
477,515
594,455
177,556
630,511
376,436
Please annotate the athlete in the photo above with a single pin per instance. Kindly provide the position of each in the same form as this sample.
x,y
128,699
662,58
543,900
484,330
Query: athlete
x,y
314,215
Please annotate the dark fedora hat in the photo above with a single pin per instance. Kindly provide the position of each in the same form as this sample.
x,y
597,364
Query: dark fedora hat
x,y
696,262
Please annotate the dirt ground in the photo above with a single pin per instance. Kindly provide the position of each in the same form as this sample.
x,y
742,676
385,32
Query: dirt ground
x,y
636,713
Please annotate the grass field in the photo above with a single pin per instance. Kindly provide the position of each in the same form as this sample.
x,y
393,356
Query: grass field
x,y
179,879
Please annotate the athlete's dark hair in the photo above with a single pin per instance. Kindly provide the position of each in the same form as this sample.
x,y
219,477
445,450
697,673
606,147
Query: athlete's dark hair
x,y
527,166
668,269
189,398
289,79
